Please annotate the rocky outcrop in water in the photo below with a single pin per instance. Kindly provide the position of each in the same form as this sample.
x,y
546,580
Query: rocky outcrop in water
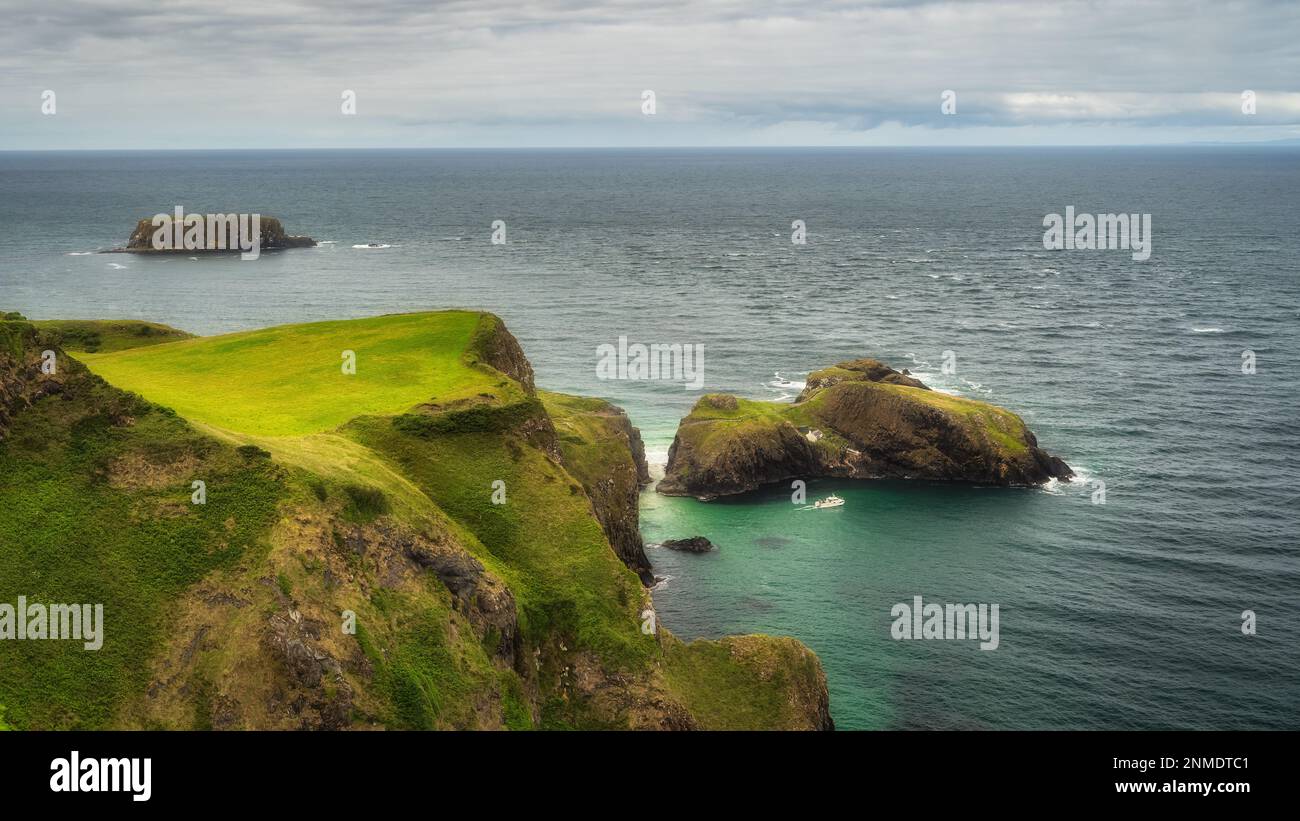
x,y
695,544
273,238
857,420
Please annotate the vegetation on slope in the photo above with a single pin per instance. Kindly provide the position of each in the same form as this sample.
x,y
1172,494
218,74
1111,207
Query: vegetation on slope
x,y
604,452
328,506
106,335
96,490
741,682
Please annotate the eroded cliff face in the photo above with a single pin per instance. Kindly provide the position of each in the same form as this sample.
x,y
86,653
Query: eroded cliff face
x,y
604,451
495,346
302,644
20,371
857,420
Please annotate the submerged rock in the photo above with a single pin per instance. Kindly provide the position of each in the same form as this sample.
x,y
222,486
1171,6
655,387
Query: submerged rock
x,y
695,544
858,420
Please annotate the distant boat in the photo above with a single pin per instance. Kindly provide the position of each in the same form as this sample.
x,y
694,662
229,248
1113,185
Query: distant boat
x,y
829,501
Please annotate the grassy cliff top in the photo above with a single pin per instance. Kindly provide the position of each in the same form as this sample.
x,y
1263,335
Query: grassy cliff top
x,y
725,416
813,410
289,380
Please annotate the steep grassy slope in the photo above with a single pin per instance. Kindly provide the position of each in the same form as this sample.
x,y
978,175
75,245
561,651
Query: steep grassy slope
x,y
604,451
95,489
405,547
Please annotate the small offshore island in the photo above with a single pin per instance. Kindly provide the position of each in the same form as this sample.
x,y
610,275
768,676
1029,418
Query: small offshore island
x,y
856,420
210,234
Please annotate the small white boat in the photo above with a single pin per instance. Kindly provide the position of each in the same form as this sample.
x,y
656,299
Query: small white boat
x,y
829,501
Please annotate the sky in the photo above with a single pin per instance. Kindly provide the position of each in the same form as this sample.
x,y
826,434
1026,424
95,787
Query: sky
x,y
150,74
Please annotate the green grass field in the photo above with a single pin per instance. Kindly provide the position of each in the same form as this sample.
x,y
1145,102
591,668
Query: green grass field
x,y
289,380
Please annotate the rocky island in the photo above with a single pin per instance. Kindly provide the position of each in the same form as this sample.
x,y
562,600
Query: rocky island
x,y
210,233
856,420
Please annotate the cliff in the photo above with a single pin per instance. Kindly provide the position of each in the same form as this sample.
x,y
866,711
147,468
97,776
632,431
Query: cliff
x,y
604,451
429,543
857,420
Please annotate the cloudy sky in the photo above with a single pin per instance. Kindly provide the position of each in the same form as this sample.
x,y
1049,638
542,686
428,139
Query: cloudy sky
x,y
253,73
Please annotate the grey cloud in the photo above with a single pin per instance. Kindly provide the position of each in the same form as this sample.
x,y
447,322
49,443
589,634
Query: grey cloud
x,y
144,73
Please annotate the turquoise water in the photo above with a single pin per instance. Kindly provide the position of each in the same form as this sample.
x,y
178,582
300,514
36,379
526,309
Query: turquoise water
x,y
832,576
1121,615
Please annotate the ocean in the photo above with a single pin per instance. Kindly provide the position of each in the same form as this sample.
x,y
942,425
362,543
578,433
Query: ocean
x,y
1123,615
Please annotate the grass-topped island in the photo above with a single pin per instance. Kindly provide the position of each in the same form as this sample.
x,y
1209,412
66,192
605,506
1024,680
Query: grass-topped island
x,y
367,523
856,420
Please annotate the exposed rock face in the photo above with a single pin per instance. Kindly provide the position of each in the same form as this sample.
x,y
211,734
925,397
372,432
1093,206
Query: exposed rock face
x,y
480,597
617,499
293,668
321,694
858,420
695,544
483,599
638,454
21,379
273,238
604,452
496,346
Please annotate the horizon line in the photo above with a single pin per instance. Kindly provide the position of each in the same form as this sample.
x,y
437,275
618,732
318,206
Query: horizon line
x,y
1282,143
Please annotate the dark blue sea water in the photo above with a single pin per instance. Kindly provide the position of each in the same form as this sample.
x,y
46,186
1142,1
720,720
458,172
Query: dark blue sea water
x,y
1122,615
